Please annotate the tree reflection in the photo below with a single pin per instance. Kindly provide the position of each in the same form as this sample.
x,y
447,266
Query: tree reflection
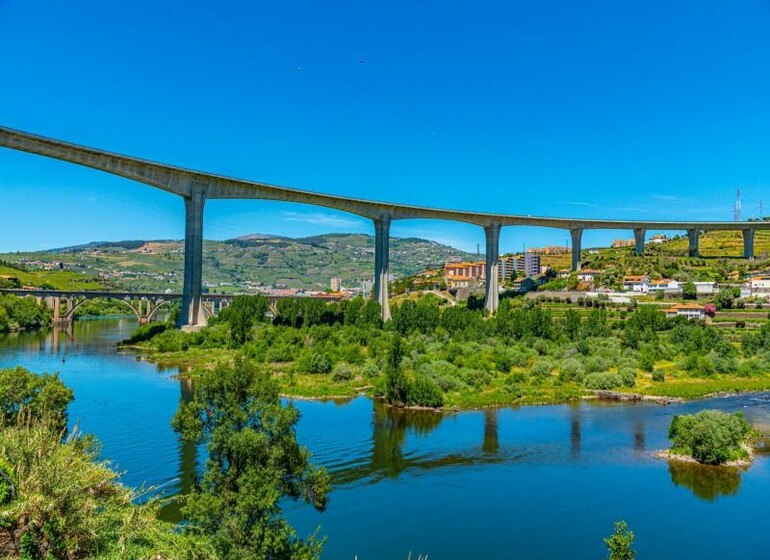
x,y
706,482
188,462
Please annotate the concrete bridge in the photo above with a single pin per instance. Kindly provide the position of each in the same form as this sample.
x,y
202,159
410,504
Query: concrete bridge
x,y
145,305
195,187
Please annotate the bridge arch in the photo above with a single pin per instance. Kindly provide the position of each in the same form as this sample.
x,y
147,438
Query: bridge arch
x,y
70,315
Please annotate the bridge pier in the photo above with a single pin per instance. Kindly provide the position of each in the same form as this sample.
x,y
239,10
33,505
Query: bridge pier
x,y
748,243
639,234
492,296
191,315
692,237
381,262
577,237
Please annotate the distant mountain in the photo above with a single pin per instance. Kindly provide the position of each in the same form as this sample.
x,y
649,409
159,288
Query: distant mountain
x,y
248,260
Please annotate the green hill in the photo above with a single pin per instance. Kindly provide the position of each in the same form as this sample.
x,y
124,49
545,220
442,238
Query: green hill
x,y
235,264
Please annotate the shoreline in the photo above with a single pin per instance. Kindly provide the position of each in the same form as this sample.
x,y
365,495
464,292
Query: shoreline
x,y
187,366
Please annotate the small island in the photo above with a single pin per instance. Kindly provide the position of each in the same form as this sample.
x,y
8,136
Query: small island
x,y
710,437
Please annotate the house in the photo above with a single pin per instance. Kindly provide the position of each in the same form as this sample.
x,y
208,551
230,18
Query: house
x,y
658,238
523,285
759,286
689,310
664,285
476,270
706,288
563,273
588,275
639,284
617,243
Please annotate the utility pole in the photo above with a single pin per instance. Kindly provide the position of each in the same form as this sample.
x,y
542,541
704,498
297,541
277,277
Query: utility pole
x,y
760,209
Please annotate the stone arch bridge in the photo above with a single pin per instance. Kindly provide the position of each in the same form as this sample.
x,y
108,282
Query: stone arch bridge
x,y
144,305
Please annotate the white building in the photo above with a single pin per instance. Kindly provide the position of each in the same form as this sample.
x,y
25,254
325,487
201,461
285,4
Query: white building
x,y
689,310
664,285
639,284
589,276
706,288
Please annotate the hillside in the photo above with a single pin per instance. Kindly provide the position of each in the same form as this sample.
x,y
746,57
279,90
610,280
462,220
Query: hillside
x,y
236,264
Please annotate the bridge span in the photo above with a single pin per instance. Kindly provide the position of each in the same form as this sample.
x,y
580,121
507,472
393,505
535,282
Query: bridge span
x,y
145,305
195,187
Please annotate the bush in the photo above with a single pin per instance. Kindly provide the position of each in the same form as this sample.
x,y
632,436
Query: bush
x,y
36,396
423,391
572,369
342,372
542,368
627,376
659,376
145,333
319,363
602,380
711,437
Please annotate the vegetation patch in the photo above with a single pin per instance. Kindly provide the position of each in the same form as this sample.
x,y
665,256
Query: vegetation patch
x,y
711,437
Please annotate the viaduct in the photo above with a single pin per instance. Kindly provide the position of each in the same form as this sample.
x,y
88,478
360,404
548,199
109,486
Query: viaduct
x,y
195,187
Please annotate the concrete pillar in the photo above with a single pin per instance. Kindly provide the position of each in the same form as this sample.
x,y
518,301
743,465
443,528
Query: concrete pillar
x,y
191,314
748,243
692,237
56,310
577,237
492,296
381,262
639,234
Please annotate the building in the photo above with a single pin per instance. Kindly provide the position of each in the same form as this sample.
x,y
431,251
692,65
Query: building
x,y
475,270
658,238
588,275
524,285
664,285
336,284
706,288
639,284
759,286
623,243
528,264
689,310
550,250
506,268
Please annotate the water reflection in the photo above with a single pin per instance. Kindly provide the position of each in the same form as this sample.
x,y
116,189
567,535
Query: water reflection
x,y
575,436
491,439
707,483
639,437
188,463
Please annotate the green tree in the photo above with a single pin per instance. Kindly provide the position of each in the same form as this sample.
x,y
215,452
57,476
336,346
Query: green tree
x,y
689,291
711,437
254,461
619,543
242,314
39,396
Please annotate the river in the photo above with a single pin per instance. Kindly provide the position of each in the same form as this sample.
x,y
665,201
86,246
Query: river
x,y
533,482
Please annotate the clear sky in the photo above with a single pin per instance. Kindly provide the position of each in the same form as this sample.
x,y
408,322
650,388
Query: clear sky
x,y
610,109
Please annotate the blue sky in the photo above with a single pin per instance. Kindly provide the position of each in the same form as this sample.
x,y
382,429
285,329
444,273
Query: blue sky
x,y
594,109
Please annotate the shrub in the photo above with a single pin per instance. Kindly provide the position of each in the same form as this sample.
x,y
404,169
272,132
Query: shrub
x,y
619,543
572,369
658,375
38,396
319,363
541,368
602,380
711,437
627,376
370,370
144,333
342,372
596,363
749,368
423,391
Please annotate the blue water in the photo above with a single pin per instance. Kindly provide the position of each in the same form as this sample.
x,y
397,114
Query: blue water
x,y
533,482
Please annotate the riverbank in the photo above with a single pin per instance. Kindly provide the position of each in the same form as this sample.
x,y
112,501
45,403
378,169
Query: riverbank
x,y
298,385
